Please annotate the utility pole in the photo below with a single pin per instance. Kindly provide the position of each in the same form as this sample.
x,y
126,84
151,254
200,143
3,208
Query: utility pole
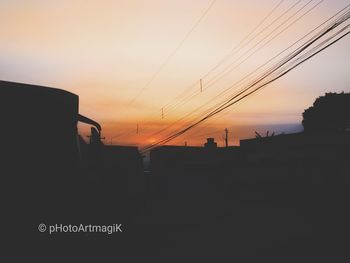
x,y
226,137
233,138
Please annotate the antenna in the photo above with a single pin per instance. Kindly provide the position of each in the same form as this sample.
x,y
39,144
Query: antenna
x,y
257,135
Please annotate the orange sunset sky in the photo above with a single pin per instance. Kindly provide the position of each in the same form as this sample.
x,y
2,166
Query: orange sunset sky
x,y
129,59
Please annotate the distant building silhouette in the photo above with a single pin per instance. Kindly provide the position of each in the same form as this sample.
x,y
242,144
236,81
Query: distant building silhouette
x,y
187,172
210,143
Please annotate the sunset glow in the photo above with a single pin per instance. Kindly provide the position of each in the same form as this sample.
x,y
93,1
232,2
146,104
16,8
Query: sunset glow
x,y
126,61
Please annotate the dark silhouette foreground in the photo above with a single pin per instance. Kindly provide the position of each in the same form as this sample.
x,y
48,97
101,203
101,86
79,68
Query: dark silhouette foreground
x,y
280,198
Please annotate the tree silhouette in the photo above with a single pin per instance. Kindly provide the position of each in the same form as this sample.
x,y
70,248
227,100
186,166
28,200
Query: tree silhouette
x,y
329,113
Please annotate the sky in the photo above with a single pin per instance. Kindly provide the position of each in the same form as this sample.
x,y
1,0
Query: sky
x,y
128,60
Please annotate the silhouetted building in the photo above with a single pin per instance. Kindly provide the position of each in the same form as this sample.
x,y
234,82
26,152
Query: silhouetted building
x,y
299,165
192,172
49,173
41,145
296,144
210,143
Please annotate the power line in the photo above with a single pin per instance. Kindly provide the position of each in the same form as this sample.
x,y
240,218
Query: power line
x,y
172,54
234,48
227,70
226,90
241,80
215,79
288,59
238,46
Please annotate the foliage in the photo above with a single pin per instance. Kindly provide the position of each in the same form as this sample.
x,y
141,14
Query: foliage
x,y
329,113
